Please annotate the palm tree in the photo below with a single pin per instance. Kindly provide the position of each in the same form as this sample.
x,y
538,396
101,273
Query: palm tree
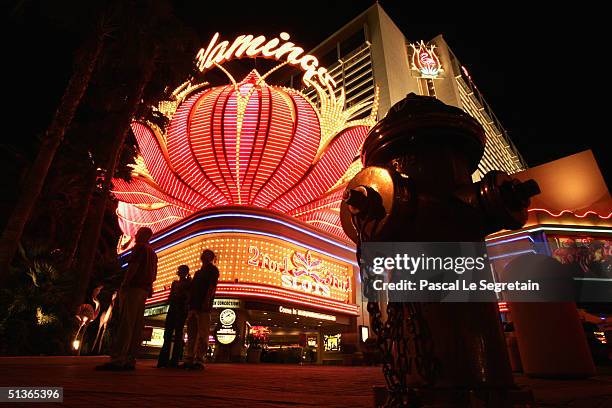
x,y
90,235
155,52
86,60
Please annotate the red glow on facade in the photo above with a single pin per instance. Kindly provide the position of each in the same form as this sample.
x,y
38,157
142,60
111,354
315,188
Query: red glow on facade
x,y
239,290
247,144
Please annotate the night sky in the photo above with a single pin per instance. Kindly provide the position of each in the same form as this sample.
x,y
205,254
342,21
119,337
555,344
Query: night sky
x,y
529,69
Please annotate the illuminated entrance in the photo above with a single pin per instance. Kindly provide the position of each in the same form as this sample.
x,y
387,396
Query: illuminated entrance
x,y
246,143
272,333
254,172
284,298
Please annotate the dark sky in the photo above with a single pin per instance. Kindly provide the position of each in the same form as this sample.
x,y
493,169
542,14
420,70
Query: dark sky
x,y
526,63
528,66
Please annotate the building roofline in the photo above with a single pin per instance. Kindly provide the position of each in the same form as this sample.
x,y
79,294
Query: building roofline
x,y
332,38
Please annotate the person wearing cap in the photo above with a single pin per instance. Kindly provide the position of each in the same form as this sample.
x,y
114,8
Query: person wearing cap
x,y
201,297
175,319
137,285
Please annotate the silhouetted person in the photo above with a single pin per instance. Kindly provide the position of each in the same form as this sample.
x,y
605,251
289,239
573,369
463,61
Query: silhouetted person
x,y
201,296
136,287
175,319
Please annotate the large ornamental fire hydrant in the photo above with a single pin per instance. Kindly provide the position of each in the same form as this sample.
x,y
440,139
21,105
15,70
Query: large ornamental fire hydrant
x,y
416,186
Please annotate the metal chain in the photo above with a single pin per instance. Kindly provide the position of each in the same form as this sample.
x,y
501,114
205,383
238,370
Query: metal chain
x,y
403,340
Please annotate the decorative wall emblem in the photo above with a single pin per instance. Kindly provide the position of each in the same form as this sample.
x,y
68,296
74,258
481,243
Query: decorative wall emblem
x,y
425,60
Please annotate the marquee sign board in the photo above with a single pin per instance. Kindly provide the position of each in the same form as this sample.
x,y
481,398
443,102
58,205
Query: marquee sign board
x,y
306,313
227,304
300,271
253,259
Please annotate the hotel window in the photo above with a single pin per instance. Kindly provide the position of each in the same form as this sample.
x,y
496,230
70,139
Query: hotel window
x,y
352,43
329,58
353,73
499,152
358,81
431,89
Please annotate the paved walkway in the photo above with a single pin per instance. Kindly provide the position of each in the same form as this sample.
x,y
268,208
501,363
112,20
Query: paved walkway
x,y
241,385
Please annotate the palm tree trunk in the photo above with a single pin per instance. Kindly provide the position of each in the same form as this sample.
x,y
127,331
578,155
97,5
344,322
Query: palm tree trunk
x,y
95,217
81,213
51,141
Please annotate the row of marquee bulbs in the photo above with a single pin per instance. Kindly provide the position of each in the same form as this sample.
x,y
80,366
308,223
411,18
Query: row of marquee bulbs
x,y
232,255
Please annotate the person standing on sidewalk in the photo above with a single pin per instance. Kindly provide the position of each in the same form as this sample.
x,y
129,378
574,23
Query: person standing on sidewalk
x,y
136,287
175,319
201,296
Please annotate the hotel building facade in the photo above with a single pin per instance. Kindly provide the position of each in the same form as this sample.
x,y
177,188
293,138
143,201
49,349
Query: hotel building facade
x,y
372,52
256,173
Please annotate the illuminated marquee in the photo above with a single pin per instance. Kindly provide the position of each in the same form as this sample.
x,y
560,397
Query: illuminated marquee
x,y
217,53
227,303
306,313
246,143
271,265
425,60
300,271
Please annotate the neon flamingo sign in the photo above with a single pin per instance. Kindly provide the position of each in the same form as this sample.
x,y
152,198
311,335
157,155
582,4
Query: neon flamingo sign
x,y
425,60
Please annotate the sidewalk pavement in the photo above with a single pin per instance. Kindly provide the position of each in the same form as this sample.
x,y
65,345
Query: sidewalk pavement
x,y
245,385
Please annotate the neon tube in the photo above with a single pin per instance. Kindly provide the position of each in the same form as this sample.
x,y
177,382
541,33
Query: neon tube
x,y
603,217
569,229
252,232
504,241
252,216
526,251
267,292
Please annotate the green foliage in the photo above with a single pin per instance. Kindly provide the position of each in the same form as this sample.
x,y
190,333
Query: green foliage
x,y
33,314
35,302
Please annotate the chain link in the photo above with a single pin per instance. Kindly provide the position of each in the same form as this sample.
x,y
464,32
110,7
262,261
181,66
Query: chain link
x,y
404,342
